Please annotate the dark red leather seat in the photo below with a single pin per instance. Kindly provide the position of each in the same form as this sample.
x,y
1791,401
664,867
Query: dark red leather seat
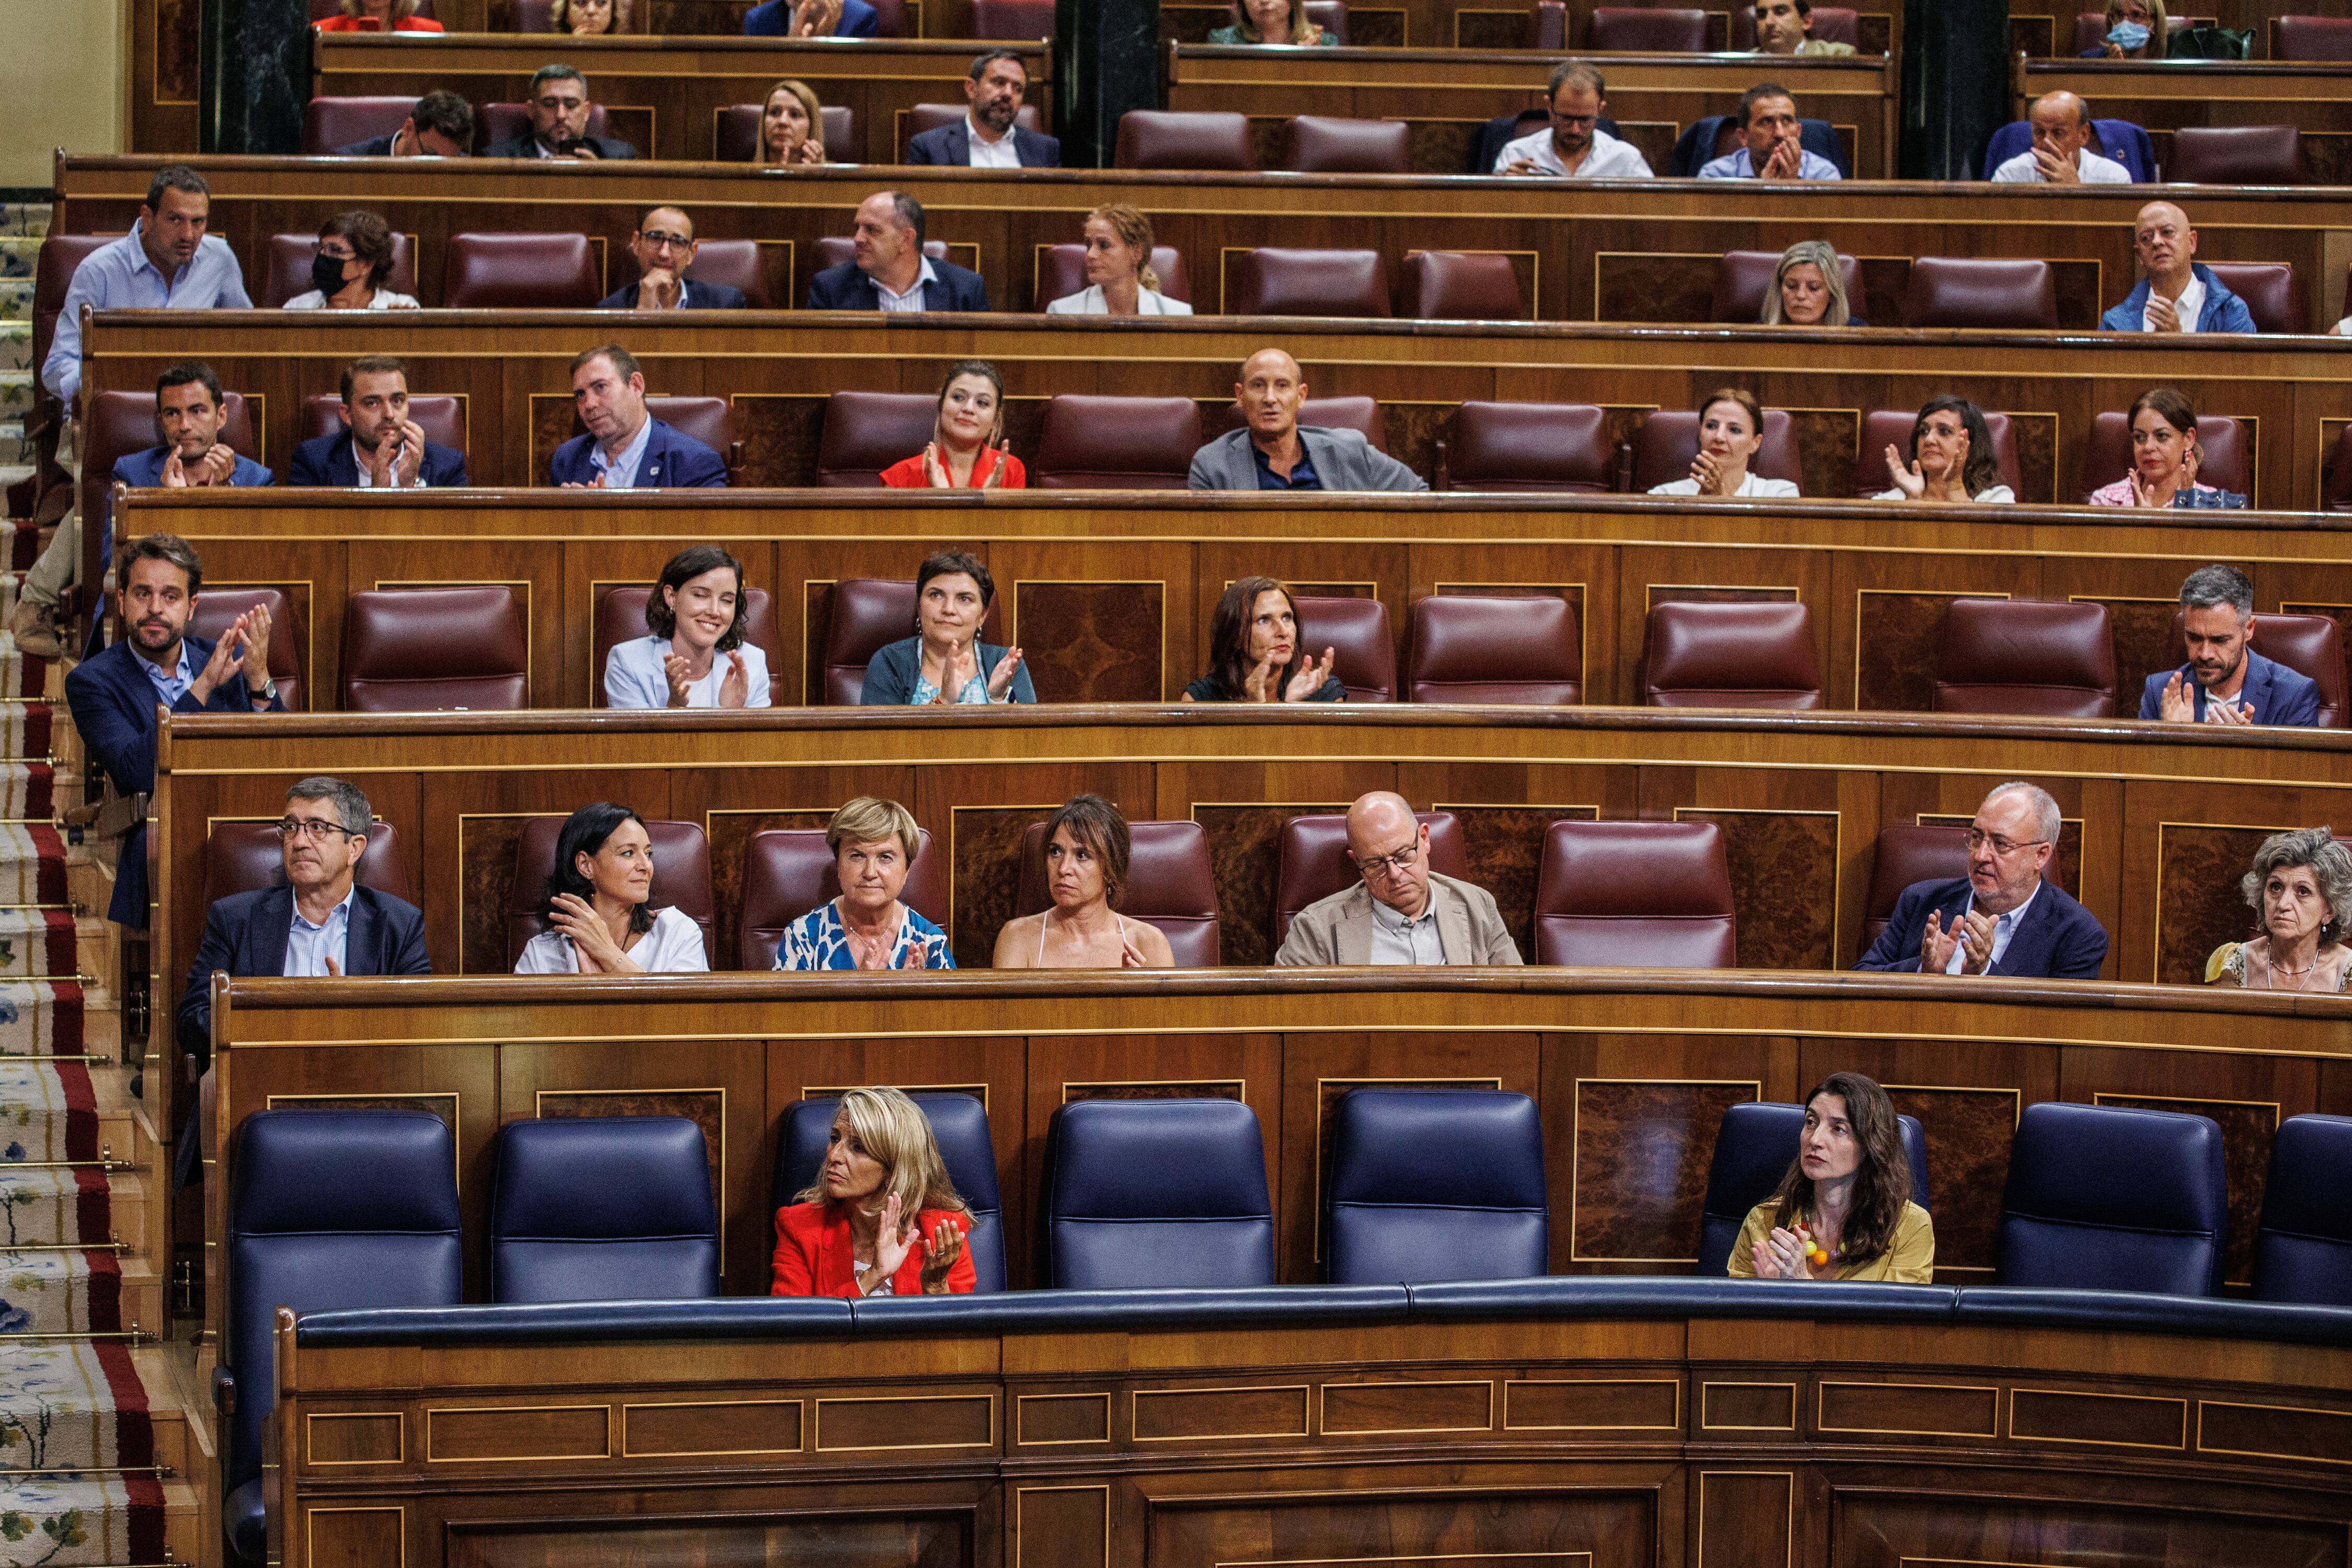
x,y
2236,155
1462,285
331,122
1634,895
2272,294
218,608
425,650
709,420
1520,446
441,417
519,272
288,267
1547,27
1322,144
2221,455
621,617
1830,24
1013,21
1282,280
247,857
788,871
1169,885
1062,270
1360,414
1641,30
1668,440
732,262
1517,649
2031,657
2308,645
1977,291
1731,655
867,614
1312,862
1908,853
121,423
1177,138
2339,474
1357,630
1331,16
496,122
738,131
925,116
1092,443
840,250
681,879
1743,278
53,272
2317,39
865,432
1884,427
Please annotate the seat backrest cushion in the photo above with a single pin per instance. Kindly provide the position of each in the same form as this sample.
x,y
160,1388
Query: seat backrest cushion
x,y
2235,155
1635,894
1525,446
1523,649
1062,270
441,416
865,432
1884,427
1462,285
2272,294
1165,139
2302,1252
1157,1193
867,615
1980,291
1357,630
217,610
519,272
242,856
621,617
1909,853
603,1209
340,120
1735,653
1628,29
1288,280
2034,657
1753,1150
1093,442
287,271
1402,1213
959,1123
1322,144
2104,1198
2311,38
417,650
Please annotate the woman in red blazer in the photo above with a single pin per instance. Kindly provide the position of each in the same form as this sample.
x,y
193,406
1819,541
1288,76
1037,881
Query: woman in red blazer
x,y
882,1218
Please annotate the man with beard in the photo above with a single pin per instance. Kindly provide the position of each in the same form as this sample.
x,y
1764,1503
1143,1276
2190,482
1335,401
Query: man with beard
x,y
889,271
114,694
383,447
986,137
1574,145
626,446
559,111
2225,681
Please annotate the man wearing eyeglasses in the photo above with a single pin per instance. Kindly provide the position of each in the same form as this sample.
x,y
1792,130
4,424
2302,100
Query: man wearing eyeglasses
x,y
559,111
1401,912
663,246
2001,918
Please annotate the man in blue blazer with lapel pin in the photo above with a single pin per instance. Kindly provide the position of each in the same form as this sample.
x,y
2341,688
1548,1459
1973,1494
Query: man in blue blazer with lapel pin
x,y
627,448
2001,918
2225,681
987,137
890,272
379,447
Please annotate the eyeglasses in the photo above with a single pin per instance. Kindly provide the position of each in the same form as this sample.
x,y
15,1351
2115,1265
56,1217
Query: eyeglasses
x,y
655,238
346,254
314,827
1395,865
2004,847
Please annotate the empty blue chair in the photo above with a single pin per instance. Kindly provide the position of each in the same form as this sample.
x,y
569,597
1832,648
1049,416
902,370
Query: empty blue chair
x,y
1435,1183
2303,1251
1156,1193
609,1208
2109,1197
959,1122
327,1210
1752,1153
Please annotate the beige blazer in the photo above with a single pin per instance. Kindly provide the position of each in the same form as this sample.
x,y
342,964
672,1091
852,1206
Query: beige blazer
x,y
1338,930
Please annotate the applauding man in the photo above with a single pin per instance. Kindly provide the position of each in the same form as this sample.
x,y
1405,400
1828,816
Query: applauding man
x,y
2001,918
2225,681
382,448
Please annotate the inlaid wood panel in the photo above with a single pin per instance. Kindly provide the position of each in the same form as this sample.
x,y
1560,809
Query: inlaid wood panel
x,y
927,1533
2199,904
1598,1404
2285,1430
711,1427
1094,642
1784,882
519,1433
348,1537
2107,1420
354,1437
1746,1518
1847,1409
1181,1415
1419,1519
905,1421
1505,845
2012,1517
1061,1526
1642,1153
1729,1408
1397,1408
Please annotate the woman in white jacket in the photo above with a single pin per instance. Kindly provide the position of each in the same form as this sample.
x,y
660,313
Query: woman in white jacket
x,y
1119,278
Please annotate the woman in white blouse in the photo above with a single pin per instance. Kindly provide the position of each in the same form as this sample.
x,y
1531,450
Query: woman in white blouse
x,y
1730,434
349,272
1119,278
596,909
695,655
1951,458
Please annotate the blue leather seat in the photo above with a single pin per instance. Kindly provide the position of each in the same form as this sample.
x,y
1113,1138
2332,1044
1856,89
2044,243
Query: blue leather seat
x,y
1752,1153
2109,1197
327,1210
959,1122
1435,1183
609,1208
1156,1193
2303,1251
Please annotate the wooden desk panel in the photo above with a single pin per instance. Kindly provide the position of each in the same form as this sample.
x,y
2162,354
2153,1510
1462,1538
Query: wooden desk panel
x,y
2162,96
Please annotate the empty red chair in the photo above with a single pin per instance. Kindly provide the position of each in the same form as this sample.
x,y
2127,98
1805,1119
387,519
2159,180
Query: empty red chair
x,y
1956,291
1282,280
1514,649
1884,427
1730,655
1462,285
681,879
331,122
218,608
1547,27
1169,886
2236,155
1634,895
519,272
1668,440
425,650
287,267
1312,862
2026,657
2316,38
2339,474
866,615
621,617
1013,21
1175,139
1092,443
496,122
788,871
247,857
1062,270
2272,294
1357,631
1522,447
1909,853
1743,278
2308,645
865,432
1320,144
2221,457
121,423
738,135
1631,30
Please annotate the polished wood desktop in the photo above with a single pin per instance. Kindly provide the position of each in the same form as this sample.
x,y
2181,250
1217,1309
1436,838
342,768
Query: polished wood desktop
x,y
2162,96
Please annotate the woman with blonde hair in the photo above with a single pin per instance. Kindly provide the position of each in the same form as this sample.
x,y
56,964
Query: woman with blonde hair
x,y
590,18
1273,22
874,843
2136,30
792,125
1119,277
378,16
1809,289
882,1217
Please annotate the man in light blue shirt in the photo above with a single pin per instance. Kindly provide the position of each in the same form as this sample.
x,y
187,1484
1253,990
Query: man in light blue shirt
x,y
167,261
1775,149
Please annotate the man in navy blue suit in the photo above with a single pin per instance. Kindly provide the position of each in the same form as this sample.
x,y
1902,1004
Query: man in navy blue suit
x,y
987,137
891,272
663,246
2001,918
627,448
812,20
2225,681
383,447
441,126
114,693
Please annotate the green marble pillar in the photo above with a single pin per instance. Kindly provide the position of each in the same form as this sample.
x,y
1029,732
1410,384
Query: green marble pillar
x,y
256,75
1107,60
1955,85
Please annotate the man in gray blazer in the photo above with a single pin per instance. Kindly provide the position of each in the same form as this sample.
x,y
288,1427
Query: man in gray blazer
x,y
1401,912
1274,452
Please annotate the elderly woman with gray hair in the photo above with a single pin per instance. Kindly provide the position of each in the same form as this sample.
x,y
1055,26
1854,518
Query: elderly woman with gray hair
x,y
2301,889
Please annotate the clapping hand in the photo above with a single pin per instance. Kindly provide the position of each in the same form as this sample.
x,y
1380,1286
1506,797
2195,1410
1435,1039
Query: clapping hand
x,y
678,670
808,151
815,18
1975,932
2220,712
735,686
2163,316
940,1250
897,1236
1786,162
593,946
1709,475
1310,677
1907,476
226,655
1000,680
1936,944
2179,703
995,480
399,453
917,954
1782,1255
935,472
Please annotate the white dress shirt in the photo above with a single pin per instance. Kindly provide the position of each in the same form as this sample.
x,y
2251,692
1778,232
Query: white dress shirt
x,y
2003,929
383,299
913,299
1753,484
633,676
367,480
2188,306
1089,301
2089,167
1396,939
621,473
673,947
308,946
1607,158
1000,153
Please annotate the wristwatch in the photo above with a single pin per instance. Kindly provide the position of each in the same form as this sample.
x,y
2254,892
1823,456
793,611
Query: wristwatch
x,y
269,693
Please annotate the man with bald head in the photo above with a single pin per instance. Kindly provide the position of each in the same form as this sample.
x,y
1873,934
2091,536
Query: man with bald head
x,y
2001,918
2061,152
1400,911
1273,451
2176,293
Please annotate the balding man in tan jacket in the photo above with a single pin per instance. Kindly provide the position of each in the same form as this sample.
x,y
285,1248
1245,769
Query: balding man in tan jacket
x,y
1401,912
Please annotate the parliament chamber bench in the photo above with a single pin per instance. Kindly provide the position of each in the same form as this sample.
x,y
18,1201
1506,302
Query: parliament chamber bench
x,y
1621,252
2164,96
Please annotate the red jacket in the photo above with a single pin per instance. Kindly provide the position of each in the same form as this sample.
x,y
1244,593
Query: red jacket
x,y
815,1258
907,473
360,24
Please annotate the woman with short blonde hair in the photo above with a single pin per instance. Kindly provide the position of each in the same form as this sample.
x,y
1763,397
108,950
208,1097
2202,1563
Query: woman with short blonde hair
x,y
874,844
882,1218
1808,288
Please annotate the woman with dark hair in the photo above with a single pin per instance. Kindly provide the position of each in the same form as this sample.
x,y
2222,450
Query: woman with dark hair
x,y
2301,889
1255,654
2164,459
378,16
1950,459
967,446
882,1217
695,615
1730,434
945,662
1087,846
353,260
1844,1209
596,904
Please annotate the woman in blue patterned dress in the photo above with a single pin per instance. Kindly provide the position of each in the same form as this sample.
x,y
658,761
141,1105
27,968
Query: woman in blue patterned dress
x,y
874,844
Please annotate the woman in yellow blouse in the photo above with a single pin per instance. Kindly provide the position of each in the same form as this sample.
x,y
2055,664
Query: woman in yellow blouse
x,y
1844,1209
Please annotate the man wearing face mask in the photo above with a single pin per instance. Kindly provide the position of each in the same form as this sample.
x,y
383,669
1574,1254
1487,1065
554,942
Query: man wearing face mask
x,y
559,111
381,446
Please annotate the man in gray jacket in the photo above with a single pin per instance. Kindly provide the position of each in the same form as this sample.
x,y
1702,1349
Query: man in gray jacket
x,y
1274,452
1401,912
